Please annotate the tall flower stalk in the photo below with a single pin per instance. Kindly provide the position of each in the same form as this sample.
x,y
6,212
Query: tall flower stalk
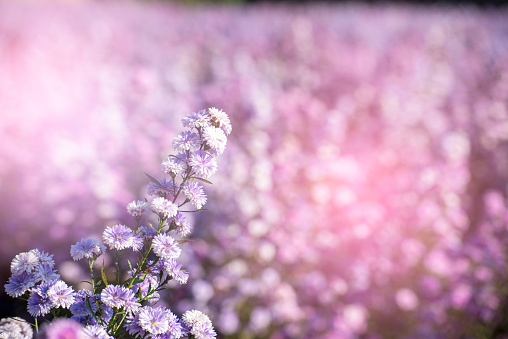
x,y
128,306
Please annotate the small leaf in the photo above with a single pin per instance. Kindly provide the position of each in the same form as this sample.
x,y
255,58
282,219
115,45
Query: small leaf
x,y
204,180
155,181
104,275
183,241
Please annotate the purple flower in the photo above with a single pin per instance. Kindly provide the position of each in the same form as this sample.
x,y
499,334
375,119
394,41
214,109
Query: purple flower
x,y
87,248
198,324
194,192
173,268
172,166
154,189
147,232
196,120
164,246
82,298
137,208
163,207
186,141
39,303
97,332
133,326
150,282
65,329
154,320
45,273
183,227
17,285
61,295
120,237
203,164
203,330
117,296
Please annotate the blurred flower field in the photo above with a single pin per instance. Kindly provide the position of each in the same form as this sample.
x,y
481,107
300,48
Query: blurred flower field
x,y
363,192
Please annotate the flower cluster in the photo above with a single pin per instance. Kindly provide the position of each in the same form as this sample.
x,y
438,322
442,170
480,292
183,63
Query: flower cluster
x,y
366,189
109,310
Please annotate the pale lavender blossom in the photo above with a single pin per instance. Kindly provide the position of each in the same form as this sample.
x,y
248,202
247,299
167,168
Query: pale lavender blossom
x,y
133,326
186,141
149,282
117,296
120,237
164,246
203,330
24,262
137,208
61,295
173,166
194,192
174,269
147,232
87,248
196,120
198,324
164,207
203,164
215,139
183,227
97,332
154,320
220,119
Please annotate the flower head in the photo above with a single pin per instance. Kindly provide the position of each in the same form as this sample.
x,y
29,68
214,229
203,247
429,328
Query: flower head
x,y
220,119
198,324
117,296
194,192
137,208
215,139
196,120
97,332
24,262
45,273
164,246
203,164
154,320
87,248
15,328
65,328
164,207
172,166
120,237
61,295
183,227
174,269
186,141
17,285
39,303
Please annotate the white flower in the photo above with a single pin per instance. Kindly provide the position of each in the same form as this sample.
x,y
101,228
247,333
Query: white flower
x,y
215,138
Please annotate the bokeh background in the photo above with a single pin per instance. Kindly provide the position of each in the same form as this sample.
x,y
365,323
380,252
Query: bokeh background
x,y
363,191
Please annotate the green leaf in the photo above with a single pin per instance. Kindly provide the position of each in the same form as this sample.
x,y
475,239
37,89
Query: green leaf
x,y
155,181
204,180
183,241
103,275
